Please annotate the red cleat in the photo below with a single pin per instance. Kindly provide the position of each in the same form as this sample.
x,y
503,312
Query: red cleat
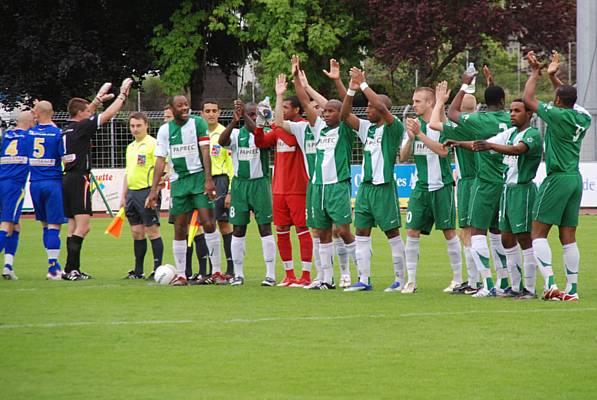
x,y
219,279
288,281
301,283
553,293
569,297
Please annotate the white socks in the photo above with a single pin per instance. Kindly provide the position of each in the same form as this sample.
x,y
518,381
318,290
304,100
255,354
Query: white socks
x,y
514,262
398,257
571,264
317,258
237,248
530,268
471,268
480,253
455,258
363,257
499,260
326,252
213,248
268,244
179,250
412,257
542,253
341,251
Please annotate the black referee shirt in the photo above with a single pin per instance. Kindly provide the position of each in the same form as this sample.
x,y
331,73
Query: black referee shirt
x,y
77,137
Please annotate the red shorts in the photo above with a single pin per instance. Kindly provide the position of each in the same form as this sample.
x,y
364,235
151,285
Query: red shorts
x,y
290,209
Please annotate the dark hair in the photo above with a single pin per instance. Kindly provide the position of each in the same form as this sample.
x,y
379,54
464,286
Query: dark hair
x,y
567,95
75,105
168,107
386,100
295,103
494,95
139,115
210,101
519,100
171,99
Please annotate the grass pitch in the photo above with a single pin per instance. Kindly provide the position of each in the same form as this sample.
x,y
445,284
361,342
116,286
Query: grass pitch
x,y
110,338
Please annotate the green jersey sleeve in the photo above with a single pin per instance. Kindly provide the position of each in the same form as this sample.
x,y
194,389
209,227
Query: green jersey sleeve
x,y
532,138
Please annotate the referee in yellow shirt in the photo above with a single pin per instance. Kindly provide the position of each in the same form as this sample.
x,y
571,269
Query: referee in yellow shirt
x,y
222,173
144,222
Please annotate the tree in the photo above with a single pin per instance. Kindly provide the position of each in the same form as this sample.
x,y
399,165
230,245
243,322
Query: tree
x,y
57,50
199,34
430,34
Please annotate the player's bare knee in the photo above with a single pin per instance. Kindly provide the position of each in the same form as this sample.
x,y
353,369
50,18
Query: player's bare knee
x,y
567,235
413,233
392,233
508,240
265,230
449,234
239,230
363,231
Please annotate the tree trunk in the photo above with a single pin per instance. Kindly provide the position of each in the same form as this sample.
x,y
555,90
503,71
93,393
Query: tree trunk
x,y
197,88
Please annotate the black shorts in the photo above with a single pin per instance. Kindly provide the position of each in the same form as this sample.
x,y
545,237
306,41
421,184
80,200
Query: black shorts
x,y
76,194
221,182
136,213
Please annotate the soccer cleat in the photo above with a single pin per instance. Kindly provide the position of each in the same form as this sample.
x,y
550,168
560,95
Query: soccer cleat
x,y
345,281
180,280
9,274
470,290
75,275
323,286
314,283
268,281
409,288
287,282
394,287
508,293
303,282
526,295
218,279
553,293
460,288
359,287
569,297
453,285
237,281
131,275
485,293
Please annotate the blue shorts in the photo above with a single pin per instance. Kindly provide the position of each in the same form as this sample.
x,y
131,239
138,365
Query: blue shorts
x,y
47,201
12,196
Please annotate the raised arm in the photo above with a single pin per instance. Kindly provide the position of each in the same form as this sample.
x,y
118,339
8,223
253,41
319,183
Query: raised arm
x,y
454,110
375,101
346,111
224,139
407,146
553,68
529,88
415,127
281,86
118,103
101,97
488,76
314,94
301,93
442,94
334,74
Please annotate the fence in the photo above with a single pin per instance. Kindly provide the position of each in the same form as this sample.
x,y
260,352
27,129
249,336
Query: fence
x,y
109,143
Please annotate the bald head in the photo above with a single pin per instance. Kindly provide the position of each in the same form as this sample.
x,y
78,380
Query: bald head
x,y
386,100
25,120
43,111
469,103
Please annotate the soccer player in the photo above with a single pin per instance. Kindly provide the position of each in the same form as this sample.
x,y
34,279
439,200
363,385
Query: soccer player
x,y
376,203
289,186
251,191
558,200
488,184
432,199
144,222
45,162
330,190
14,168
222,173
466,169
77,136
184,142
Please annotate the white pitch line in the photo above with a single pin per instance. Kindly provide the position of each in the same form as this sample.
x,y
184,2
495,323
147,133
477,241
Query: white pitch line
x,y
276,319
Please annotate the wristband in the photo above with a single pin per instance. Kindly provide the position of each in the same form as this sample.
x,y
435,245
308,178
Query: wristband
x,y
464,87
96,101
363,86
350,92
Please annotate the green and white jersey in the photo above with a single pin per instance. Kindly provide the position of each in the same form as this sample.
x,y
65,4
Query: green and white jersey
x,y
180,145
248,160
482,126
432,171
522,168
380,147
566,128
465,160
306,141
333,148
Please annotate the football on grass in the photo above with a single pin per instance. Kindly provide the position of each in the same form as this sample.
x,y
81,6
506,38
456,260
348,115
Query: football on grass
x,y
164,274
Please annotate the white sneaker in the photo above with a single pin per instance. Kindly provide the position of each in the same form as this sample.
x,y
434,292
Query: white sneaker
x,y
453,285
9,274
483,292
314,283
54,277
345,281
410,287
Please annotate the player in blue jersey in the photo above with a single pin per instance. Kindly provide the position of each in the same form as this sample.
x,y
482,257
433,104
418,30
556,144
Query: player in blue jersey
x,y
45,163
14,169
